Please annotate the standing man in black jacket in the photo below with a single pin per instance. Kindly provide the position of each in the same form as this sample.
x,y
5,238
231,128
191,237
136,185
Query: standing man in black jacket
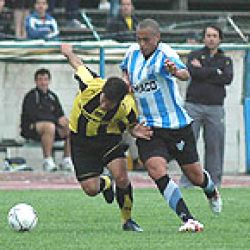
x,y
122,27
210,72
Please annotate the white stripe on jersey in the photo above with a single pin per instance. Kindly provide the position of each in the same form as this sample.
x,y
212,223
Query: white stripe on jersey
x,y
155,89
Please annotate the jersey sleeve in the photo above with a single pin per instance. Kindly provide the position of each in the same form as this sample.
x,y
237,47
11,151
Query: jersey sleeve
x,y
124,64
84,76
172,55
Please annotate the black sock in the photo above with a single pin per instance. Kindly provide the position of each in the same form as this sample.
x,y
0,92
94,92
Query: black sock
x,y
124,197
174,198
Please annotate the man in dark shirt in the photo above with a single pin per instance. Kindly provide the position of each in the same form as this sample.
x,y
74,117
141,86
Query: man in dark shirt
x,y
210,72
43,119
122,27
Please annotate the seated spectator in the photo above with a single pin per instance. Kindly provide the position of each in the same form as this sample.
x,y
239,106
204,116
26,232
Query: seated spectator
x,y
21,9
40,25
5,18
43,119
122,27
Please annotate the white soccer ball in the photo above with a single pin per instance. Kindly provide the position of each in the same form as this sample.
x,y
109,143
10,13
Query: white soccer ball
x,y
22,217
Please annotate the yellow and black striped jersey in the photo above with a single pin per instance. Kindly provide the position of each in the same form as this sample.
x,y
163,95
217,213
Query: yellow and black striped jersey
x,y
88,119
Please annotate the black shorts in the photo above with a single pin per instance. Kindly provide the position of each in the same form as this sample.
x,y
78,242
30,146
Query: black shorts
x,y
31,133
90,155
178,144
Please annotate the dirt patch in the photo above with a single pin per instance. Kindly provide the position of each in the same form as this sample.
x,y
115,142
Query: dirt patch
x,y
61,180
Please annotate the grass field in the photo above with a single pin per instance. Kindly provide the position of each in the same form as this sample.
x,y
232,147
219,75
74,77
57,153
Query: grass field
x,y
71,220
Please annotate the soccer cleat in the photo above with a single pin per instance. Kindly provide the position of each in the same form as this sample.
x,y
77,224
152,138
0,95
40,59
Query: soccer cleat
x,y
131,225
215,202
108,193
192,226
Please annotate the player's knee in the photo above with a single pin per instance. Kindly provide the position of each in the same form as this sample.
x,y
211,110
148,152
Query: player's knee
x,y
122,181
90,187
90,191
50,127
46,128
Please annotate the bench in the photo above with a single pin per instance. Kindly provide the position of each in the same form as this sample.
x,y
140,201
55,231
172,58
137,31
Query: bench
x,y
7,144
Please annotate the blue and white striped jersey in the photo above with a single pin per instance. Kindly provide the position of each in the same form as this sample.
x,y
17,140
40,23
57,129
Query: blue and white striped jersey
x,y
41,28
156,91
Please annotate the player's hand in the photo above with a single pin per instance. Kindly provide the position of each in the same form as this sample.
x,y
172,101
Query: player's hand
x,y
66,49
196,63
126,80
170,66
142,131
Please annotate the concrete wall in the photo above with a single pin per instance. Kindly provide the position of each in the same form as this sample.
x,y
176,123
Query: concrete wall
x,y
17,79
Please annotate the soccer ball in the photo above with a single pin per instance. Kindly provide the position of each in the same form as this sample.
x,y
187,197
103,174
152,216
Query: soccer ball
x,y
22,217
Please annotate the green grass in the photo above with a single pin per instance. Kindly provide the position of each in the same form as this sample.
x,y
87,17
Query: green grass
x,y
71,220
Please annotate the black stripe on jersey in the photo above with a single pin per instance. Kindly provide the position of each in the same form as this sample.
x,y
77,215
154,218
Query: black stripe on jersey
x,y
102,129
121,125
94,74
111,113
92,104
82,125
82,85
132,116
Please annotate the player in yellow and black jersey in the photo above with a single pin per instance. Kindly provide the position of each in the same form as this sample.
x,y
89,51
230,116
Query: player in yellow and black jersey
x,y
102,110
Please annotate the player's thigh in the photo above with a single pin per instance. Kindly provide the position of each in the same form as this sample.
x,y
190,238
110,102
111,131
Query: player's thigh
x,y
87,163
154,154
184,148
155,147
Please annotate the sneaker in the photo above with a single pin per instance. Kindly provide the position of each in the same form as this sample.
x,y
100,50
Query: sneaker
x,y
108,193
216,202
131,225
67,165
49,165
192,226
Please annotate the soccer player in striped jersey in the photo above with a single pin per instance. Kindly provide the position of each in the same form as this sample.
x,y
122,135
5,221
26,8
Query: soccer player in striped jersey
x,y
150,68
102,110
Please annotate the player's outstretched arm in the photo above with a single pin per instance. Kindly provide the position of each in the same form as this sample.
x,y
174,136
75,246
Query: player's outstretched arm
x,y
67,51
141,131
181,74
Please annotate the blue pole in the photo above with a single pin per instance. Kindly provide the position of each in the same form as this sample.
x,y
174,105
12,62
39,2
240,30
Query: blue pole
x,y
247,109
102,62
247,132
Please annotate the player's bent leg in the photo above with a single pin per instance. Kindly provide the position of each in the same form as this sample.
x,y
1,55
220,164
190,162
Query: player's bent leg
x,y
201,178
212,193
91,186
170,191
124,194
108,189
